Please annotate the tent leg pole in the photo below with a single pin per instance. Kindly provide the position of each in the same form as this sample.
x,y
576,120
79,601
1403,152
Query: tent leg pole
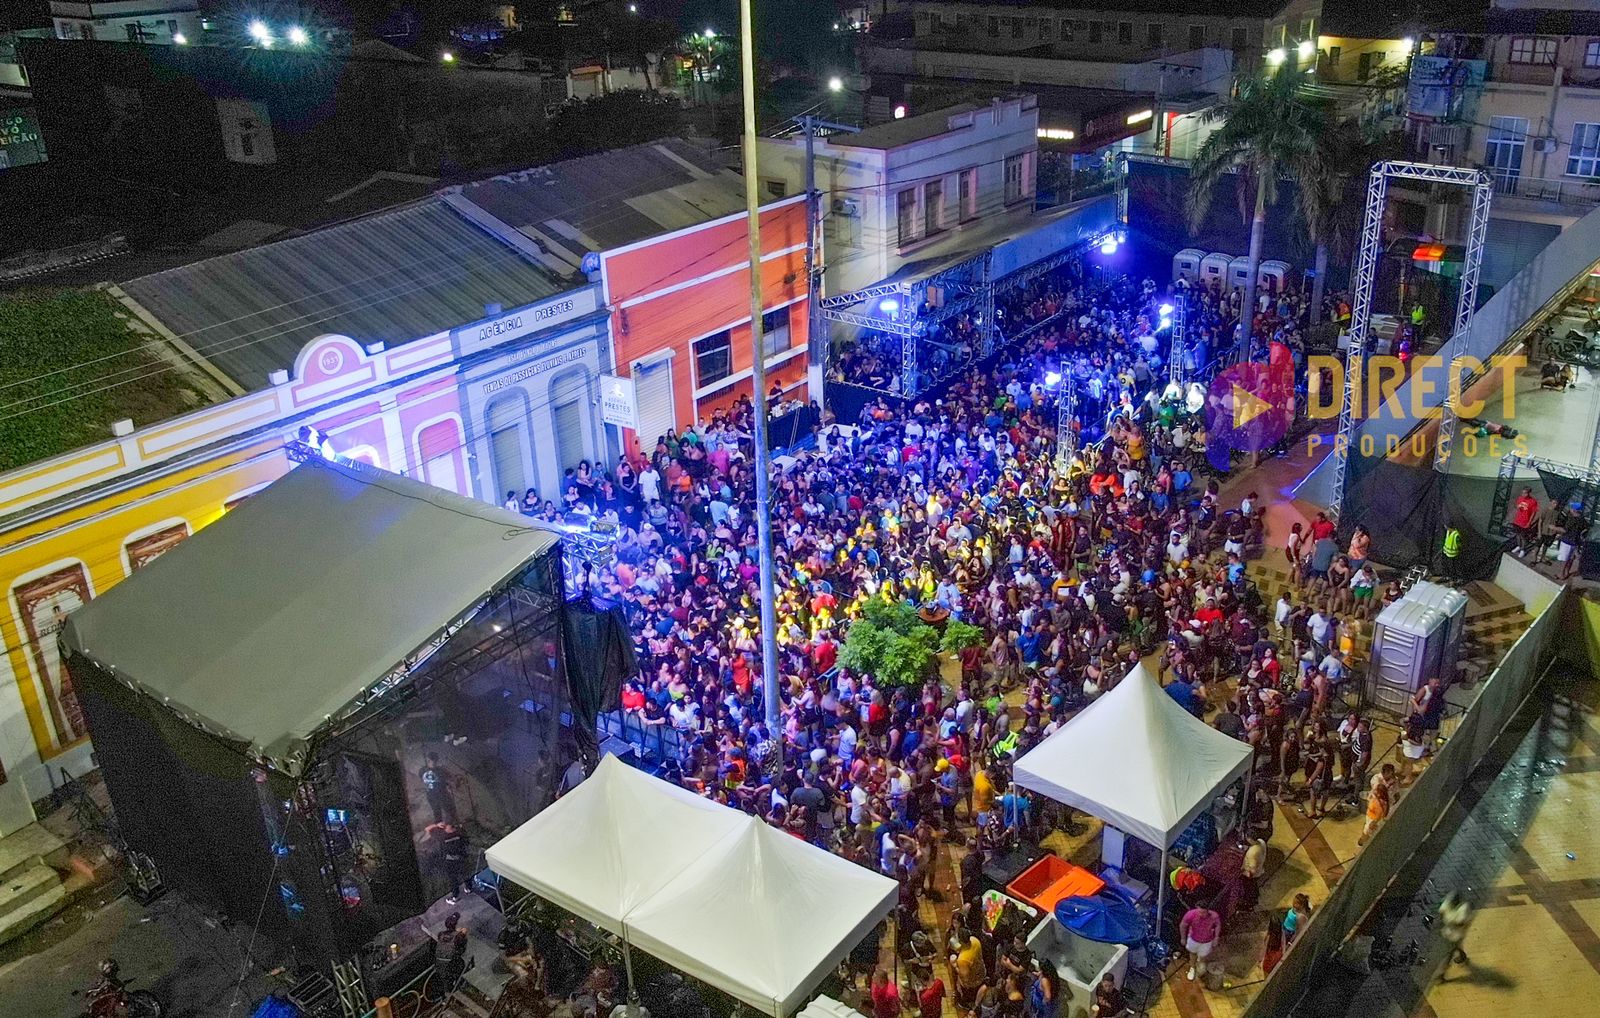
x,y
1249,802
627,966
1161,892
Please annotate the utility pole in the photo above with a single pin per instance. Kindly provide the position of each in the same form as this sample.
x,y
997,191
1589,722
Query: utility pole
x,y
771,695
816,342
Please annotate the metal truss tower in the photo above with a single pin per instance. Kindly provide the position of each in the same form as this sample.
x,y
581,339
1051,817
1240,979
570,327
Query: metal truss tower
x,y
1366,278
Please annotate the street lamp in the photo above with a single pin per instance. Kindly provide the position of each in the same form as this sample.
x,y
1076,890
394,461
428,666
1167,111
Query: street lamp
x,y
448,57
179,39
1304,48
710,33
259,31
1275,56
298,36
836,84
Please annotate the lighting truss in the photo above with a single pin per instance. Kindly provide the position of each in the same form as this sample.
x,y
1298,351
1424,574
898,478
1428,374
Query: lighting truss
x,y
1365,279
1180,312
1499,508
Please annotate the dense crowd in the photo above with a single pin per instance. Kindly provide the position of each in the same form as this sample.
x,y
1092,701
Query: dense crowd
x,y
958,504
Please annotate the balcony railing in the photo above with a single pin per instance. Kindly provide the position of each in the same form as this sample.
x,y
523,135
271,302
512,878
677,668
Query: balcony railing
x,y
1564,190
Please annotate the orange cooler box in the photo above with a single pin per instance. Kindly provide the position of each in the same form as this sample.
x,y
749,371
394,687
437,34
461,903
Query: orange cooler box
x,y
1051,879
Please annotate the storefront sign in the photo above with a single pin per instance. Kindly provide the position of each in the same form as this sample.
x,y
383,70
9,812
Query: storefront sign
x,y
526,321
523,374
618,404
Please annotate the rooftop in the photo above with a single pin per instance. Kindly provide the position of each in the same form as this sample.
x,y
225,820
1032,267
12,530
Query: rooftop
x,y
611,199
895,133
1236,9
392,278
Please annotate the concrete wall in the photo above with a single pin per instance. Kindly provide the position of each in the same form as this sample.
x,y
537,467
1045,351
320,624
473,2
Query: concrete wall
x,y
1212,69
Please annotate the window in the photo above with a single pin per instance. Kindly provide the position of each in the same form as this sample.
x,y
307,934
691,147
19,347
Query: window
x,y
1591,53
135,32
1584,159
1125,33
1368,63
1502,153
994,28
932,207
777,189
1014,190
1016,28
1236,41
967,186
1197,36
906,209
775,336
1094,32
713,358
1334,53
1533,49
1152,35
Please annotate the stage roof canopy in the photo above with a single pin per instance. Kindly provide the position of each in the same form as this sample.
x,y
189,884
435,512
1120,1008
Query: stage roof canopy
x,y
273,619
1136,760
714,892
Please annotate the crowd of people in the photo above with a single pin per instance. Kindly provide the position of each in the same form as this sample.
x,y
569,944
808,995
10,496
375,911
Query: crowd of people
x,y
1073,569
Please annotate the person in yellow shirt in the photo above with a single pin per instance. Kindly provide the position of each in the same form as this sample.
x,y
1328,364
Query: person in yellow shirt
x,y
982,796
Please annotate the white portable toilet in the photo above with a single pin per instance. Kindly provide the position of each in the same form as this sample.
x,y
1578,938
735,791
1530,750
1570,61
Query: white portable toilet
x,y
1215,266
1186,263
1238,272
1273,274
1408,649
1453,604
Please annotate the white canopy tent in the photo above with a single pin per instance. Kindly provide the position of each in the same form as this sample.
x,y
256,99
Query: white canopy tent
x,y
1137,760
710,890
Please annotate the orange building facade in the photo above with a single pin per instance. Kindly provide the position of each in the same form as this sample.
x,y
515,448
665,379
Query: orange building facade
x,y
680,317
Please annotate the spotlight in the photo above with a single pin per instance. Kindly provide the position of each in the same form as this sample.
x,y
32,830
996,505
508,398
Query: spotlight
x,y
900,112
889,305
1165,310
1108,246
1305,48
298,36
448,57
836,84
1275,56
1407,43
327,449
1052,378
179,39
259,31
1166,323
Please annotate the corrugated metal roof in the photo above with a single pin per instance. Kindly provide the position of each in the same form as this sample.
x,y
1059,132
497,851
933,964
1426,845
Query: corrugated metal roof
x,y
393,278
605,201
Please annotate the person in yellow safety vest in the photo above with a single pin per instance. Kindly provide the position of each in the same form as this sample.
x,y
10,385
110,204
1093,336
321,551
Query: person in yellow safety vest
x,y
1451,549
1417,315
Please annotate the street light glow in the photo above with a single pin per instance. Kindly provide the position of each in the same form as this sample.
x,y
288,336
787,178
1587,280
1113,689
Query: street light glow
x,y
448,57
836,84
1052,378
711,33
259,32
1304,48
298,36
1407,43
179,39
1275,56
1165,310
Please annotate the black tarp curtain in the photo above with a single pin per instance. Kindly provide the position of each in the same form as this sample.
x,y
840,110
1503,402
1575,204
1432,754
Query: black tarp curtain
x,y
600,655
1406,509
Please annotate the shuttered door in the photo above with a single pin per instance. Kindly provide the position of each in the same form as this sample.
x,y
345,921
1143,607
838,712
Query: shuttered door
x,y
505,447
653,390
569,433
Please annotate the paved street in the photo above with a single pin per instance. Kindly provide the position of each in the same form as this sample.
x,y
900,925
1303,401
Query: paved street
x,y
188,959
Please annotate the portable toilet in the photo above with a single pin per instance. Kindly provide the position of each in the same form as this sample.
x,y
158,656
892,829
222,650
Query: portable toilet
x,y
1273,274
1453,604
1186,263
1408,646
1215,266
1238,272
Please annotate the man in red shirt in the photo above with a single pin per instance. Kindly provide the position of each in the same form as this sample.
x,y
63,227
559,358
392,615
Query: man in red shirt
x,y
930,999
885,996
1523,515
1322,527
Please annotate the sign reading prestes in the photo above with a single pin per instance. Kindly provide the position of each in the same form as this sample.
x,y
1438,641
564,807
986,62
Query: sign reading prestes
x,y
617,403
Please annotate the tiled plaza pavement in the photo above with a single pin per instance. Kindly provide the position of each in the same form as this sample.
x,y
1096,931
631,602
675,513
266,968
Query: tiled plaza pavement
x,y
1521,841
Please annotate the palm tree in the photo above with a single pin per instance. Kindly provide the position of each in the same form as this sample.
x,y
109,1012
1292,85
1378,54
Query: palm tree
x,y
1268,128
1333,222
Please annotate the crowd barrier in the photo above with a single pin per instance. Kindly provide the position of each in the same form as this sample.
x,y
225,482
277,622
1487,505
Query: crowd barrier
x,y
1413,818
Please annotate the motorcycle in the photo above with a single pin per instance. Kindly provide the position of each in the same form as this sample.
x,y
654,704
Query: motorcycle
x,y
115,1000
